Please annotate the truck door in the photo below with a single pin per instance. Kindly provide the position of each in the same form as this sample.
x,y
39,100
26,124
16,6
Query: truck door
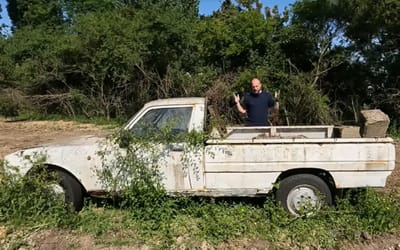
x,y
179,171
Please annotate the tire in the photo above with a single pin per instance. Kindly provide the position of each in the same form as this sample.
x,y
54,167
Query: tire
x,y
71,188
303,194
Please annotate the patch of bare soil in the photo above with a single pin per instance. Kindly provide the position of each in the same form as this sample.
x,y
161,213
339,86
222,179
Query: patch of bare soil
x,y
19,135
393,182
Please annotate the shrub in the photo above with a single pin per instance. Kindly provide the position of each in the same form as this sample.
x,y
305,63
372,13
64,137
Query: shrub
x,y
30,200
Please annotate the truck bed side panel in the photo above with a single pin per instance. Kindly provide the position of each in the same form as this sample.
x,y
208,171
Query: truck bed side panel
x,y
258,165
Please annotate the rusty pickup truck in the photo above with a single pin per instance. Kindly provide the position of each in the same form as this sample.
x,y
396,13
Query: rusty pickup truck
x,y
301,164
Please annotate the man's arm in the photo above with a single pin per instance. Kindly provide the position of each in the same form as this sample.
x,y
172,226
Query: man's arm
x,y
238,105
276,99
271,101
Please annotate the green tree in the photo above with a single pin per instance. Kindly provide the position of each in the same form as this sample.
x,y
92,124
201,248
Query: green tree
x,y
189,7
107,57
34,13
373,27
235,37
72,8
366,34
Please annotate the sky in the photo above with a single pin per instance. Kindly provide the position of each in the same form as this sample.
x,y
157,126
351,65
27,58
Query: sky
x,y
3,14
206,7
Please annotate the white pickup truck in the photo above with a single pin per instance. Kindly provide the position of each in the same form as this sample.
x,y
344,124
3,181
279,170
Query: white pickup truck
x,y
301,164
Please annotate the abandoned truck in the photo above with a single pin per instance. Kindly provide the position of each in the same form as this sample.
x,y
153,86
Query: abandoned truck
x,y
301,164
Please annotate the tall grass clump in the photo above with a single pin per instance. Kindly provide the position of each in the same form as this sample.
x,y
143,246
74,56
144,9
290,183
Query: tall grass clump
x,y
30,200
367,211
378,212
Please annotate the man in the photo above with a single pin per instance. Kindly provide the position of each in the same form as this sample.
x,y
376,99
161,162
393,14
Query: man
x,y
256,105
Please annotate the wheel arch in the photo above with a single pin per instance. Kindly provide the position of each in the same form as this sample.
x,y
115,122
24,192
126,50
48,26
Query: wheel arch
x,y
321,173
53,167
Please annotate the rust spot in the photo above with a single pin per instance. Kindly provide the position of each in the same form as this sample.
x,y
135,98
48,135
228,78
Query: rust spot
x,y
88,158
376,164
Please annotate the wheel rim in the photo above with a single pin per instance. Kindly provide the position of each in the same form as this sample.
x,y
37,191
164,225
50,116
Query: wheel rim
x,y
58,189
303,199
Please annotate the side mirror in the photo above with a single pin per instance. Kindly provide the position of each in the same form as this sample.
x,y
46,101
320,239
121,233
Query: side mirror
x,y
124,139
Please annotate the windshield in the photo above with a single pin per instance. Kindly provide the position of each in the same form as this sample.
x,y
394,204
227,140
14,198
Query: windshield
x,y
175,119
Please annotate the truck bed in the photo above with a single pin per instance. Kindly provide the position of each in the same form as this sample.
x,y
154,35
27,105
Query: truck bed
x,y
254,157
288,134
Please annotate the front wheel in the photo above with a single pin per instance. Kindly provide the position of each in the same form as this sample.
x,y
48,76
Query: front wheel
x,y
70,188
303,194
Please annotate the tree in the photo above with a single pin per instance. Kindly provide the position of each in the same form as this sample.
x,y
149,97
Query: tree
x,y
189,7
72,8
373,27
235,37
367,35
34,13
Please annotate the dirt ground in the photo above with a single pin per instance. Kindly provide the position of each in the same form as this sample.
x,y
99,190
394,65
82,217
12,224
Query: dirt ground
x,y
19,135
22,134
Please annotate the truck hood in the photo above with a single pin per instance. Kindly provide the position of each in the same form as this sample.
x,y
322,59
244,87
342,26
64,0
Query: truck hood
x,y
75,141
67,146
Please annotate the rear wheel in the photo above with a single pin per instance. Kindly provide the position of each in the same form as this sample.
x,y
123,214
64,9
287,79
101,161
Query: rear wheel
x,y
303,194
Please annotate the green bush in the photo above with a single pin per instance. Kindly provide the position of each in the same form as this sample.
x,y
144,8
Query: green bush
x,y
30,200
304,103
8,107
394,129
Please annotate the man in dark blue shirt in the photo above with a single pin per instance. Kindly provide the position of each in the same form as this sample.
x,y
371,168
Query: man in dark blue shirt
x,y
256,105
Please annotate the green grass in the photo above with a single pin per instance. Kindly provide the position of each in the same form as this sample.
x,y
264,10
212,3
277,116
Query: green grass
x,y
194,220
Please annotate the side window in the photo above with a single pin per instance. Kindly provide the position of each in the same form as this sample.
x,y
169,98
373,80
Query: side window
x,y
176,119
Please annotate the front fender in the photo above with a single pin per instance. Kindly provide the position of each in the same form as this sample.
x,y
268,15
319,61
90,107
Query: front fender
x,y
82,162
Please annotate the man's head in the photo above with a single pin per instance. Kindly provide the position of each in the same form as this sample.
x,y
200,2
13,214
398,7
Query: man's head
x,y
255,86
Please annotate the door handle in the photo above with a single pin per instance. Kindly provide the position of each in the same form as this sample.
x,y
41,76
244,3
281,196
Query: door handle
x,y
177,147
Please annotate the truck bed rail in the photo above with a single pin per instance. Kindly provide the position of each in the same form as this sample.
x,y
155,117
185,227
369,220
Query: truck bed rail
x,y
281,132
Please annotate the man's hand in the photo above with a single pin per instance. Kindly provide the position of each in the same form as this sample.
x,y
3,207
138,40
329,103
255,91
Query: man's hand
x,y
276,95
237,101
276,99
237,98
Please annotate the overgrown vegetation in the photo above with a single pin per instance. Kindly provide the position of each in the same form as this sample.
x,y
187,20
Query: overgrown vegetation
x,y
167,222
106,59
31,201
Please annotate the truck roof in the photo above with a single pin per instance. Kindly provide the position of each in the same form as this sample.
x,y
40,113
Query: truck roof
x,y
177,101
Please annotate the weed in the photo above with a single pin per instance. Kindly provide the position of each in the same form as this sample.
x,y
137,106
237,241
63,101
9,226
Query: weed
x,y
394,129
377,212
30,200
